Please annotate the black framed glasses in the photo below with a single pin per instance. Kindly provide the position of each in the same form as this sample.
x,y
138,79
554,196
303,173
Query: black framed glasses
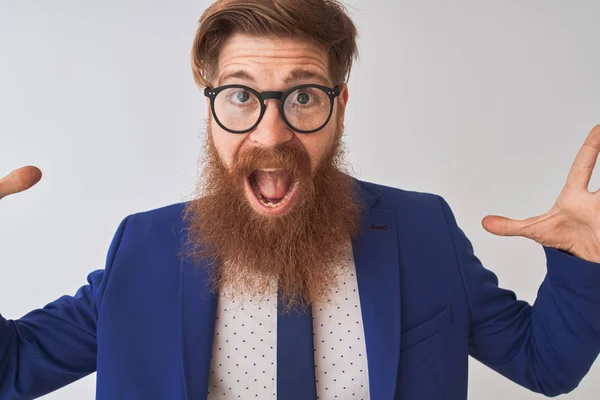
x,y
305,108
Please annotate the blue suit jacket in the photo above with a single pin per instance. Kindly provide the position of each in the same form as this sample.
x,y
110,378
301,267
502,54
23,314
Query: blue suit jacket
x,y
146,321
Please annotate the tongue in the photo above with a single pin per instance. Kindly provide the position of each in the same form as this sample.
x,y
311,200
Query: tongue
x,y
273,185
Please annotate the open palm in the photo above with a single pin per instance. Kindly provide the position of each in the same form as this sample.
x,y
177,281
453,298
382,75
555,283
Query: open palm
x,y
573,223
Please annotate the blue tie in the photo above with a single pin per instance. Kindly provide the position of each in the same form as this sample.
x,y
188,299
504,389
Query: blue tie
x,y
295,355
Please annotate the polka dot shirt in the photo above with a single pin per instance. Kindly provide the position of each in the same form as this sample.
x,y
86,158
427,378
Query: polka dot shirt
x,y
244,358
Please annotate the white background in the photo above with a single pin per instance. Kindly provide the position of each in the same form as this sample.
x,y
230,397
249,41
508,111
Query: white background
x,y
484,103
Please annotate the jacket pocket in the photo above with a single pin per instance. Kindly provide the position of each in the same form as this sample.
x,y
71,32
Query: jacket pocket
x,y
426,330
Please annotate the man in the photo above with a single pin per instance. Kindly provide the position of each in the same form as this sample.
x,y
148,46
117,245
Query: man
x,y
286,278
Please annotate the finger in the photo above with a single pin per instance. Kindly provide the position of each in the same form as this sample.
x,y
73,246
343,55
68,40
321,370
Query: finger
x,y
581,170
19,180
503,226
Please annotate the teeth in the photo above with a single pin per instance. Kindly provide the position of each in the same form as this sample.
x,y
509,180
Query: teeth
x,y
269,204
271,169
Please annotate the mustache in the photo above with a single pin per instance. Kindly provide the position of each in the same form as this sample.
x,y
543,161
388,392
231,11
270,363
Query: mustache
x,y
286,156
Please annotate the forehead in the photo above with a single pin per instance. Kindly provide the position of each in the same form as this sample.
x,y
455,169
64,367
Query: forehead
x,y
272,62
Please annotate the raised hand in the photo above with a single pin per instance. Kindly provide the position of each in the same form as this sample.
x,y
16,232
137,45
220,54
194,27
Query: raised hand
x,y
19,180
573,223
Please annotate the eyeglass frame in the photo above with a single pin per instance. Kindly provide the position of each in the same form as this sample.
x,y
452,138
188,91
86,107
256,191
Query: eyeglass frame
x,y
332,93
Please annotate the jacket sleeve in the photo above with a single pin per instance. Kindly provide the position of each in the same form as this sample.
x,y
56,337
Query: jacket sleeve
x,y
51,347
548,347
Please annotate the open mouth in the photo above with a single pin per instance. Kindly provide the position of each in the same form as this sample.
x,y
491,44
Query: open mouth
x,y
271,190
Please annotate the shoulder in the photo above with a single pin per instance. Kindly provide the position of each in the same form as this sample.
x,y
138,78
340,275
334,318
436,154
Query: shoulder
x,y
166,221
172,213
387,197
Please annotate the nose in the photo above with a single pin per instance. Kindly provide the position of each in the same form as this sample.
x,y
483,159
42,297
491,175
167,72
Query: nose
x,y
272,129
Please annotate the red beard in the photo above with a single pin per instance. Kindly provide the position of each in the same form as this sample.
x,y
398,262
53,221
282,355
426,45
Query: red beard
x,y
301,251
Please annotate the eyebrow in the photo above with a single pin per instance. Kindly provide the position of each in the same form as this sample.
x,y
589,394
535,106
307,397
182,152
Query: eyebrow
x,y
243,75
297,74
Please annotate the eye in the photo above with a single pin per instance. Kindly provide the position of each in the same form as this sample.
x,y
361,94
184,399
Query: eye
x,y
241,96
307,97
303,98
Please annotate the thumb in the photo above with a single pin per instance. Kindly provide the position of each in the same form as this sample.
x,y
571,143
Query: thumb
x,y
19,180
502,226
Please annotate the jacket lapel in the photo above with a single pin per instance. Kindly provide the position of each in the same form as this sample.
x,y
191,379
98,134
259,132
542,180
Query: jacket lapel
x,y
378,274
197,312
377,267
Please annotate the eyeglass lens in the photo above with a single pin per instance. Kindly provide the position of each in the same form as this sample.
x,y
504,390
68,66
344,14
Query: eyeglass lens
x,y
305,109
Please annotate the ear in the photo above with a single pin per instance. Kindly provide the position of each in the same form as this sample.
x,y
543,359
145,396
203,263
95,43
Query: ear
x,y
341,109
343,99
